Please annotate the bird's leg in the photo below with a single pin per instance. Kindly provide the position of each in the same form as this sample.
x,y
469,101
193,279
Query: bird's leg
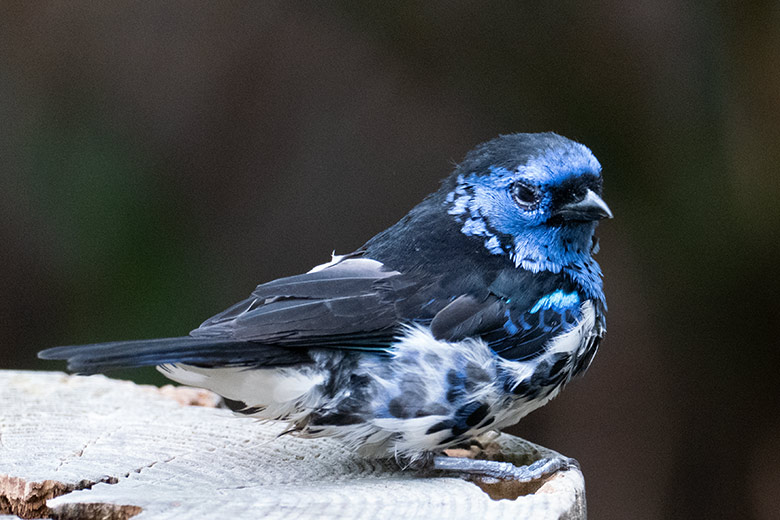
x,y
501,470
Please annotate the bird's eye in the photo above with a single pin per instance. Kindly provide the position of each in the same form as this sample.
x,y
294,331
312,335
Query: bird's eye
x,y
525,195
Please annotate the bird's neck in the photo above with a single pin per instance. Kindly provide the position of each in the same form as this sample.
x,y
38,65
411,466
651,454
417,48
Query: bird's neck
x,y
562,250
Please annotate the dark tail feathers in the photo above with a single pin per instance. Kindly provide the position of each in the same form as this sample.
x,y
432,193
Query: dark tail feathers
x,y
101,357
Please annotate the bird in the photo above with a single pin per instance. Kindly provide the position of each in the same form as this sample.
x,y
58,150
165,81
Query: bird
x,y
473,310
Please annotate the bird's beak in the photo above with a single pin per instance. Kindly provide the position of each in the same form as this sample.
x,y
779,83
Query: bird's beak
x,y
590,207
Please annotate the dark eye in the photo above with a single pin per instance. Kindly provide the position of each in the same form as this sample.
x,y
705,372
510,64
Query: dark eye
x,y
525,195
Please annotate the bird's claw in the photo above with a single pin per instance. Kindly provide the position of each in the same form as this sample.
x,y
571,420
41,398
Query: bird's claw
x,y
502,470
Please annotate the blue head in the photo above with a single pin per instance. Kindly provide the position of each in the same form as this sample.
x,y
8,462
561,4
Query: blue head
x,y
533,197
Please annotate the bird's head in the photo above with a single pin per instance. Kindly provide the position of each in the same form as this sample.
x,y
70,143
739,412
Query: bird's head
x,y
533,197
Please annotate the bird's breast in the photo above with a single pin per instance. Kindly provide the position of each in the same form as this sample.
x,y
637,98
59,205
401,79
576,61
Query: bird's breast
x,y
561,357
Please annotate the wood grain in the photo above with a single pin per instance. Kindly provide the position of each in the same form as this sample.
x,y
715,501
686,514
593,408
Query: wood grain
x,y
93,447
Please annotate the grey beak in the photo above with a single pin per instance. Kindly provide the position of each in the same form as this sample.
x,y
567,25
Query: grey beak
x,y
591,207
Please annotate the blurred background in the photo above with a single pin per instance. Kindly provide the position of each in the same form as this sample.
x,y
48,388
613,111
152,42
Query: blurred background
x,y
159,159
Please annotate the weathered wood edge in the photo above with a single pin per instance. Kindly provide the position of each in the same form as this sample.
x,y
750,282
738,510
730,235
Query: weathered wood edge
x,y
93,447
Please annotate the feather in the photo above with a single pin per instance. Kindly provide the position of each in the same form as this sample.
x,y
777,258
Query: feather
x,y
99,357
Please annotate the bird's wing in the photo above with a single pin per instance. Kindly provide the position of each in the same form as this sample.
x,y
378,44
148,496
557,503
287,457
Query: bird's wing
x,y
349,303
360,303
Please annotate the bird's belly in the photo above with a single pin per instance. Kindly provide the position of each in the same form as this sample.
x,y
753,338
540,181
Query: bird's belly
x,y
432,394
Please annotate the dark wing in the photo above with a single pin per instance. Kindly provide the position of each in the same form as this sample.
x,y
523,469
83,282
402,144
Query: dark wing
x,y
359,303
354,302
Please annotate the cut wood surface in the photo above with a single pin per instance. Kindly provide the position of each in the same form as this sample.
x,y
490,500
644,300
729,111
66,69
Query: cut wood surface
x,y
93,447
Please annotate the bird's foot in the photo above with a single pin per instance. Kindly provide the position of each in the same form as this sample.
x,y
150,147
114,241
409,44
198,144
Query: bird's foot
x,y
501,470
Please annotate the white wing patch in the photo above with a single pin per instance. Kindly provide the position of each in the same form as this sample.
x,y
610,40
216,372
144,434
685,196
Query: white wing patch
x,y
334,259
356,265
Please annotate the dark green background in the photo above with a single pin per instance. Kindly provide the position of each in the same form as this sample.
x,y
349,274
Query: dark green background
x,y
159,159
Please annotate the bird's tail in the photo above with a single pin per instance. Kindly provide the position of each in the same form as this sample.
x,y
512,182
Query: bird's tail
x,y
101,357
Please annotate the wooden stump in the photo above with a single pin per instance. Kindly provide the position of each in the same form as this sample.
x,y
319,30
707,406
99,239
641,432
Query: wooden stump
x,y
93,447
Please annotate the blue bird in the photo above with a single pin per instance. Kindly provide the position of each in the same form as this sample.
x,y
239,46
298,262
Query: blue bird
x,y
473,310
